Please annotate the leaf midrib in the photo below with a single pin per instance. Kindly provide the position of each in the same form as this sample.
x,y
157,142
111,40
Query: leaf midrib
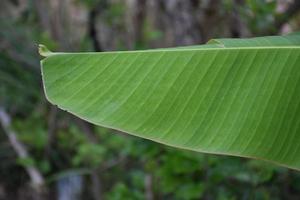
x,y
174,50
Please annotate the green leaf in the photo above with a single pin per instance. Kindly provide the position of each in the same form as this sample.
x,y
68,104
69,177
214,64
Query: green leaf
x,y
237,97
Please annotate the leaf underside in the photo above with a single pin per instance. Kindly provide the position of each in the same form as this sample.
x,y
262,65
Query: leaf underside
x,y
231,96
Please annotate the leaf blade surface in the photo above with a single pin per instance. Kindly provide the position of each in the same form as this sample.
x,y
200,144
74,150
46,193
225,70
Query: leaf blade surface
x,y
235,97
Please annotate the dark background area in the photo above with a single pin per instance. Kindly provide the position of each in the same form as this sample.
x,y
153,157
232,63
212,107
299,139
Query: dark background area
x,y
46,153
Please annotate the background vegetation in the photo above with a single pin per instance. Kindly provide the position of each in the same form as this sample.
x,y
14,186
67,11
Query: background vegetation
x,y
46,153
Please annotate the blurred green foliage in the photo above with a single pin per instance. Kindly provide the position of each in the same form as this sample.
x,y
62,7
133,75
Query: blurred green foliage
x,y
124,162
260,15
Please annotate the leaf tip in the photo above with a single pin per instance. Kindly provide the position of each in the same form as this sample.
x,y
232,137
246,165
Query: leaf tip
x,y
44,51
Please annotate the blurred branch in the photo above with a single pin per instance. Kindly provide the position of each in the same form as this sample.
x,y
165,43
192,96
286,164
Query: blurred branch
x,y
149,187
237,27
86,128
97,185
139,20
36,177
92,29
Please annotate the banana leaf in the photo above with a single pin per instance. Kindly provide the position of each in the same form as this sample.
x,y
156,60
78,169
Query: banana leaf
x,y
237,97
